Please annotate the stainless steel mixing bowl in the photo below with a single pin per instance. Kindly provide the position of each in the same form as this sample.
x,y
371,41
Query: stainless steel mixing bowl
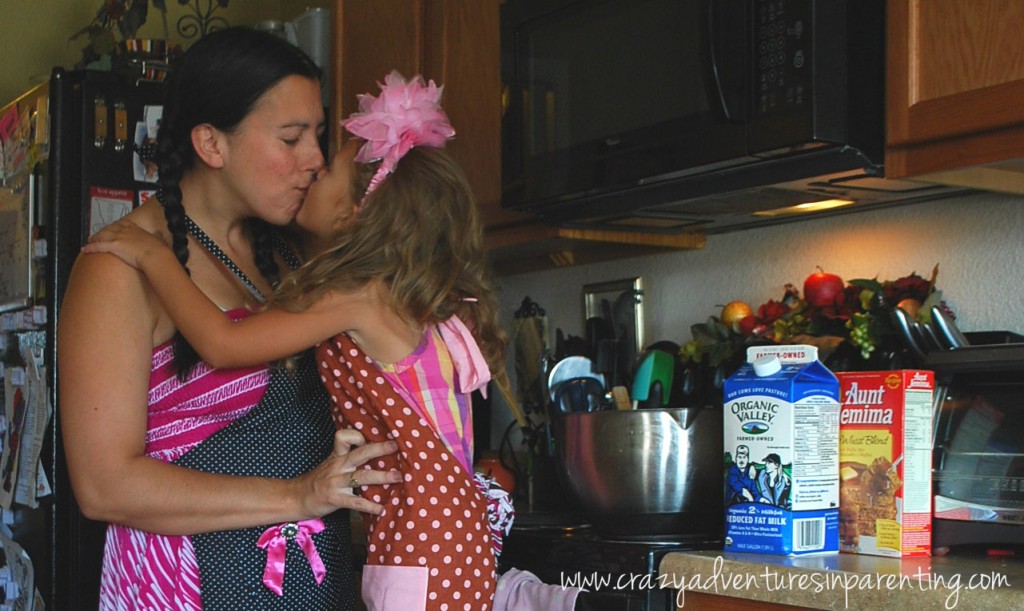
x,y
648,471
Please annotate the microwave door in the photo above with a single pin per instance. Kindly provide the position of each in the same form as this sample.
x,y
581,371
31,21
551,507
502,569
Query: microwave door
x,y
706,86
726,35
640,93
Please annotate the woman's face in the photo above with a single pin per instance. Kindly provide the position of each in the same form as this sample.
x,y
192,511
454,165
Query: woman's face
x,y
270,159
330,204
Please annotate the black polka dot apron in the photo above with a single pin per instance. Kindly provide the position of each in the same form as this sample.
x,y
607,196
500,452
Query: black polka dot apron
x,y
287,434
298,567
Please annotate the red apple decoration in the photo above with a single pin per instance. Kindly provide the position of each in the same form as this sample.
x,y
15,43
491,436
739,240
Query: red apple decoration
x,y
747,324
822,289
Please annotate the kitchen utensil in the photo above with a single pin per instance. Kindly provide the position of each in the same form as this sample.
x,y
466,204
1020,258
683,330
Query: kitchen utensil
x,y
620,397
577,395
652,383
947,329
688,385
645,471
904,326
597,330
529,342
927,337
609,314
571,367
624,312
546,364
607,362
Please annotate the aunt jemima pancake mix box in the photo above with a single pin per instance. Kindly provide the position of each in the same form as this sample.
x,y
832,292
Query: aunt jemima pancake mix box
x,y
885,459
782,454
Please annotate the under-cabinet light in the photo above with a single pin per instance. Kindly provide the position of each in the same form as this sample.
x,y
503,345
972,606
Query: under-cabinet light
x,y
805,208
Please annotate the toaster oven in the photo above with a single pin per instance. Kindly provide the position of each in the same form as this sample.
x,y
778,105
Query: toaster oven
x,y
978,459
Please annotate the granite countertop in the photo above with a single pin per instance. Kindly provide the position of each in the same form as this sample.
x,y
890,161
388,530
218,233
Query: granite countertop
x,y
852,581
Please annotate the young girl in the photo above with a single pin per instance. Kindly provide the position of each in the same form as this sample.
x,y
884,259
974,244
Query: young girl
x,y
398,284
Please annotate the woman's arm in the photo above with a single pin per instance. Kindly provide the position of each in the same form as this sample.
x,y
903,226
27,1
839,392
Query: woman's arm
x,y
264,336
105,340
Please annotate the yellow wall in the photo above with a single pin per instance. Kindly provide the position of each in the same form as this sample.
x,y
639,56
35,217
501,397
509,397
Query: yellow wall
x,y
34,33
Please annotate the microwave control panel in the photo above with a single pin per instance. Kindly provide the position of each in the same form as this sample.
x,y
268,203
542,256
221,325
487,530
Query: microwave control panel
x,y
781,55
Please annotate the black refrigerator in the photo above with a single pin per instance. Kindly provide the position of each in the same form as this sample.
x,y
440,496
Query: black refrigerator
x,y
88,170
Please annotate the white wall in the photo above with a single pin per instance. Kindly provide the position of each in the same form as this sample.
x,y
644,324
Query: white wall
x,y
977,241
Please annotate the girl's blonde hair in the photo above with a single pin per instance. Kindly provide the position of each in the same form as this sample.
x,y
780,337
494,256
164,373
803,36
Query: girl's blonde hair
x,y
419,234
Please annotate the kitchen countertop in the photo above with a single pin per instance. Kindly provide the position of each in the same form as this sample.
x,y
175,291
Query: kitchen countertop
x,y
851,581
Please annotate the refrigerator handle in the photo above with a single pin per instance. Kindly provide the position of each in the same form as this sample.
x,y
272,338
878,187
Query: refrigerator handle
x,y
100,123
120,126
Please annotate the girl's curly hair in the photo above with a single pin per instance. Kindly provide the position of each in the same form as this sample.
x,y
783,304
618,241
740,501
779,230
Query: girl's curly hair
x,y
419,234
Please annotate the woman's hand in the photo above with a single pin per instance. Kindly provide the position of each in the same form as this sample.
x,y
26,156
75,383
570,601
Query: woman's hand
x,y
129,242
330,485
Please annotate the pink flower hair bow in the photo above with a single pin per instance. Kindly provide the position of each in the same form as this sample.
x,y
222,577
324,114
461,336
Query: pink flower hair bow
x,y
405,114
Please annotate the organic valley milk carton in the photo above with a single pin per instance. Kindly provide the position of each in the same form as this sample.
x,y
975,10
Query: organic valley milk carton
x,y
782,453
885,462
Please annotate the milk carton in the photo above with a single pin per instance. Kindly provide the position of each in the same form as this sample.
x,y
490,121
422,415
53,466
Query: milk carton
x,y
782,453
885,458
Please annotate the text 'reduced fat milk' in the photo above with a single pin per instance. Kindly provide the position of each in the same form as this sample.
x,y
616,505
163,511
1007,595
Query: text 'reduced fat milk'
x,y
782,453
885,457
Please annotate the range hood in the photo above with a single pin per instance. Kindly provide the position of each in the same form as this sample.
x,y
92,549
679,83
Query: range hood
x,y
744,194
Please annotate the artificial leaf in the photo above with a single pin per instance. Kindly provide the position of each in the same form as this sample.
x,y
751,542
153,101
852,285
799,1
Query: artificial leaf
x,y
872,284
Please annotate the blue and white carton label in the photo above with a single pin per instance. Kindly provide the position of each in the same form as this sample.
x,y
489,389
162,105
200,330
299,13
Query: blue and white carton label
x,y
782,454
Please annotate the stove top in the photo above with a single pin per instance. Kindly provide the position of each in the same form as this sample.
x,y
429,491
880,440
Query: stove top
x,y
566,550
587,533
557,544
571,526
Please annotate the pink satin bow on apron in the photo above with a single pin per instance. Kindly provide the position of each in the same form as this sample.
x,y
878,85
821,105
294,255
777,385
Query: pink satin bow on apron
x,y
275,541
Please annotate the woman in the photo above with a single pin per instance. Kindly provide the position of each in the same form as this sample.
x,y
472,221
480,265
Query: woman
x,y
233,468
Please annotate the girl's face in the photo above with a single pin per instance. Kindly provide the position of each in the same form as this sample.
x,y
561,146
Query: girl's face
x,y
270,159
330,204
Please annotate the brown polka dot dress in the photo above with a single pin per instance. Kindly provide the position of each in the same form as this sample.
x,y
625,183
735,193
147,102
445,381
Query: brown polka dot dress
x,y
431,549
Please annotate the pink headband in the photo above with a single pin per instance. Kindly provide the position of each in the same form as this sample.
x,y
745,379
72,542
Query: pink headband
x,y
406,114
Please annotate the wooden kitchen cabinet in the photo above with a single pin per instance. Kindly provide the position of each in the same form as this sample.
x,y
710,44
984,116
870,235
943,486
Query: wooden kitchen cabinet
x,y
453,42
955,92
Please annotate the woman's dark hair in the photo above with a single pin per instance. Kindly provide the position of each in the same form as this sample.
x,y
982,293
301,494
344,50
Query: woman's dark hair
x,y
217,82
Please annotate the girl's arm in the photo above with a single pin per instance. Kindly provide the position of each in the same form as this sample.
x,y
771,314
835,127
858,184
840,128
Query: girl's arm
x,y
107,328
264,336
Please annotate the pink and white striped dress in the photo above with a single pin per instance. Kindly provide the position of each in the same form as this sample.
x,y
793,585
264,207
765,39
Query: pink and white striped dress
x,y
148,572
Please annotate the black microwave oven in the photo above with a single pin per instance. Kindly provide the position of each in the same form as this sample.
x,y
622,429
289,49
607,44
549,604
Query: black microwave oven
x,y
643,109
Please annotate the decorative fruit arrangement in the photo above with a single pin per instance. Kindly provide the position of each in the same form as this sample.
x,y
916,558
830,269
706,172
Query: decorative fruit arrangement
x,y
829,314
